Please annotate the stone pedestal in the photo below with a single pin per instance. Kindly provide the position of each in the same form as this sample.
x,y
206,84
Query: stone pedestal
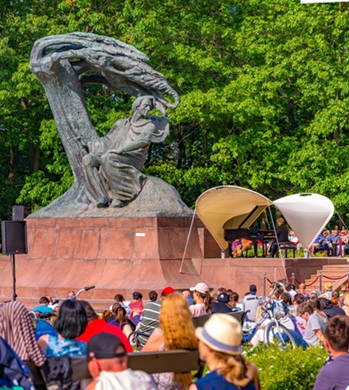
x,y
117,255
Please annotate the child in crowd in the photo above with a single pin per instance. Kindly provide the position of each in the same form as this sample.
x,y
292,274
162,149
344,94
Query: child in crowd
x,y
316,321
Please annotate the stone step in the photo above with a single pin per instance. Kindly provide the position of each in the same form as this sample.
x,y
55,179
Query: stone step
x,y
330,273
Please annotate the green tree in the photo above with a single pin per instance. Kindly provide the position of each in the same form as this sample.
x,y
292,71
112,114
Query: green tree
x,y
262,84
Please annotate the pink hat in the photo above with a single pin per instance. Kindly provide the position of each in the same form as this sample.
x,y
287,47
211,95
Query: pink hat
x,y
201,288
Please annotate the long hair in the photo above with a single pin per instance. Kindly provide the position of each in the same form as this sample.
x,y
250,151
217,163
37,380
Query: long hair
x,y
234,370
89,310
72,319
207,300
175,321
120,315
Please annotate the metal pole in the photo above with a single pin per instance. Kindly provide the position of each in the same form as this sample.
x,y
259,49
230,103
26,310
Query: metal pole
x,y
320,281
265,284
293,278
13,261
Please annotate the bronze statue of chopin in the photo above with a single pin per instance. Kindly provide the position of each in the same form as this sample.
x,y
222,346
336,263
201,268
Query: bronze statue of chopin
x,y
108,170
114,163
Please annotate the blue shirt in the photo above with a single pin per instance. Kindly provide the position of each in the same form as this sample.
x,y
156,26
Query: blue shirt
x,y
64,347
213,381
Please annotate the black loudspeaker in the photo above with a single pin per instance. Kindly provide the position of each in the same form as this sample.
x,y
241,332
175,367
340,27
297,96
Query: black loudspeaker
x,y
14,237
17,213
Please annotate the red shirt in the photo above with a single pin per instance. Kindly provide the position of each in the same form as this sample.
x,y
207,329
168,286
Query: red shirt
x,y
97,326
136,308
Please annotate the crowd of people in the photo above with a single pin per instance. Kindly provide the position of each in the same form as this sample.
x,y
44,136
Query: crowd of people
x,y
332,243
164,322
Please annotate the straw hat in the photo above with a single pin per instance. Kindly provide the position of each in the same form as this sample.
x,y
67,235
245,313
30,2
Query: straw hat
x,y
222,333
328,286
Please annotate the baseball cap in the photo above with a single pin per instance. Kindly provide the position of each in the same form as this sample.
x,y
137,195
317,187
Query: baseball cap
x,y
167,290
200,287
103,346
223,297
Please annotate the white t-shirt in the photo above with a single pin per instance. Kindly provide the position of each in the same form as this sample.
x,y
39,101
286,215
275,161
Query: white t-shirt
x,y
127,379
197,310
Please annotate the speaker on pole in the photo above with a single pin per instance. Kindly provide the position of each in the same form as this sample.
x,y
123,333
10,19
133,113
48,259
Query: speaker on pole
x,y
17,213
14,237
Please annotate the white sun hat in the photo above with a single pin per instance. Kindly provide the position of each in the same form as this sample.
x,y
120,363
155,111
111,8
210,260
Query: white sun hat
x,y
222,333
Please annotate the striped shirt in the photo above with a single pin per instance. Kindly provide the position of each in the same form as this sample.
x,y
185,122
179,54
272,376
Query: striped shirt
x,y
149,320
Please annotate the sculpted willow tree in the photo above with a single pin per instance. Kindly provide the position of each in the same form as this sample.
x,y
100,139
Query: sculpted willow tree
x,y
107,170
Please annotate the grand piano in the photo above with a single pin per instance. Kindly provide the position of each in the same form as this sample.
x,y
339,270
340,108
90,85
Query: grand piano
x,y
237,228
254,234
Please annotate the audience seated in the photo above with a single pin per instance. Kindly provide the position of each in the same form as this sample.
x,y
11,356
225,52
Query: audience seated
x,y
335,373
220,346
316,321
346,302
176,331
97,325
222,304
17,330
70,324
202,300
250,302
319,243
168,320
14,372
121,320
107,363
119,298
329,308
136,307
150,317
187,294
234,301
43,307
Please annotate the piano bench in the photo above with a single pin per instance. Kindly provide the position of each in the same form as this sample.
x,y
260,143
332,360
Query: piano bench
x,y
287,246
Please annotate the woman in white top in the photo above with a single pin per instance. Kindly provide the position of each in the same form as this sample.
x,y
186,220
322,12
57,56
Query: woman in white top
x,y
202,298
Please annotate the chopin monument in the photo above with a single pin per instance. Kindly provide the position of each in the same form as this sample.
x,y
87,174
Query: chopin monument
x,y
107,170
116,227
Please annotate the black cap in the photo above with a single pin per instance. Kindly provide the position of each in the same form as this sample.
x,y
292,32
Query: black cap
x,y
223,297
253,289
103,346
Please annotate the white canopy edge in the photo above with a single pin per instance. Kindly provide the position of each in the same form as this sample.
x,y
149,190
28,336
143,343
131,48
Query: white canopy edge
x,y
307,215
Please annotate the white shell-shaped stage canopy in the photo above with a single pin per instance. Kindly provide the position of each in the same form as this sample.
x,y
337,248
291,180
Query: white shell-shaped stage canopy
x,y
307,214
229,207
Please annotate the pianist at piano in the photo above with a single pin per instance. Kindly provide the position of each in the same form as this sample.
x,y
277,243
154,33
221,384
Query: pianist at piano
x,y
282,237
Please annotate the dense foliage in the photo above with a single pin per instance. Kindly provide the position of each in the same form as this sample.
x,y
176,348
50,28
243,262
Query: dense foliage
x,y
263,86
292,369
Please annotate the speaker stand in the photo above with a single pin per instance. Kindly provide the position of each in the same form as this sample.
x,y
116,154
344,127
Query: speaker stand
x,y
13,263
